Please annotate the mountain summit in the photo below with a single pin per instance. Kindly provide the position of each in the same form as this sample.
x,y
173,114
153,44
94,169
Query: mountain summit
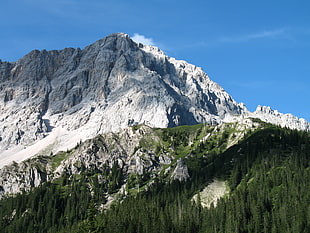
x,y
51,100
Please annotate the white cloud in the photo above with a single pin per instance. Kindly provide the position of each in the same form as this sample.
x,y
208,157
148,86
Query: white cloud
x,y
142,39
260,35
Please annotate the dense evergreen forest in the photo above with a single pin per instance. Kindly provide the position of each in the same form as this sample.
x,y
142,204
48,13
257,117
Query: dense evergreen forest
x,y
267,172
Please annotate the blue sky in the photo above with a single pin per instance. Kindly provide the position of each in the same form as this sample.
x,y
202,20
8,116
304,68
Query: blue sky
x,y
258,51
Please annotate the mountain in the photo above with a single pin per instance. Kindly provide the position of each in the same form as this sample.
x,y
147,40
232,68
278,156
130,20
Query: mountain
x,y
70,95
52,100
119,137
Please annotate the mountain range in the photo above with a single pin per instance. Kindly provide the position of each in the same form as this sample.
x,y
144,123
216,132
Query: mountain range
x,y
52,100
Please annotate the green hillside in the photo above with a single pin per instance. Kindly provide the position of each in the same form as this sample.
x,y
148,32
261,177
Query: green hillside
x,y
266,170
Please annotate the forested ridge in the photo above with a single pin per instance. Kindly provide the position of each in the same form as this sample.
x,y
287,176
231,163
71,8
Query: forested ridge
x,y
267,173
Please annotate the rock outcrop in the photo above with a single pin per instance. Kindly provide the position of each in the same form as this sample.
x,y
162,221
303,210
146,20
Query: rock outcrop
x,y
122,151
181,171
20,177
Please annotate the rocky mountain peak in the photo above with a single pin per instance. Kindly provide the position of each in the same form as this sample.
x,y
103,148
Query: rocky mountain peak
x,y
50,100
288,120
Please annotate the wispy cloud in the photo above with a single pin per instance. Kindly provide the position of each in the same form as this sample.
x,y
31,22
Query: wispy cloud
x,y
276,33
142,39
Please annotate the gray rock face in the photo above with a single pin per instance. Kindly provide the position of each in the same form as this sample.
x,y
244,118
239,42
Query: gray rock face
x,y
284,120
181,171
20,177
107,86
109,148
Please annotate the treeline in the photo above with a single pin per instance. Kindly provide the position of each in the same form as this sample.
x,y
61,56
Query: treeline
x,y
268,175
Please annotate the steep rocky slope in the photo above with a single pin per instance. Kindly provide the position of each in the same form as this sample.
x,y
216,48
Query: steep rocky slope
x,y
73,94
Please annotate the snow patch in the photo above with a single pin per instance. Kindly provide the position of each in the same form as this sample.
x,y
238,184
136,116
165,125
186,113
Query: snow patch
x,y
21,153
